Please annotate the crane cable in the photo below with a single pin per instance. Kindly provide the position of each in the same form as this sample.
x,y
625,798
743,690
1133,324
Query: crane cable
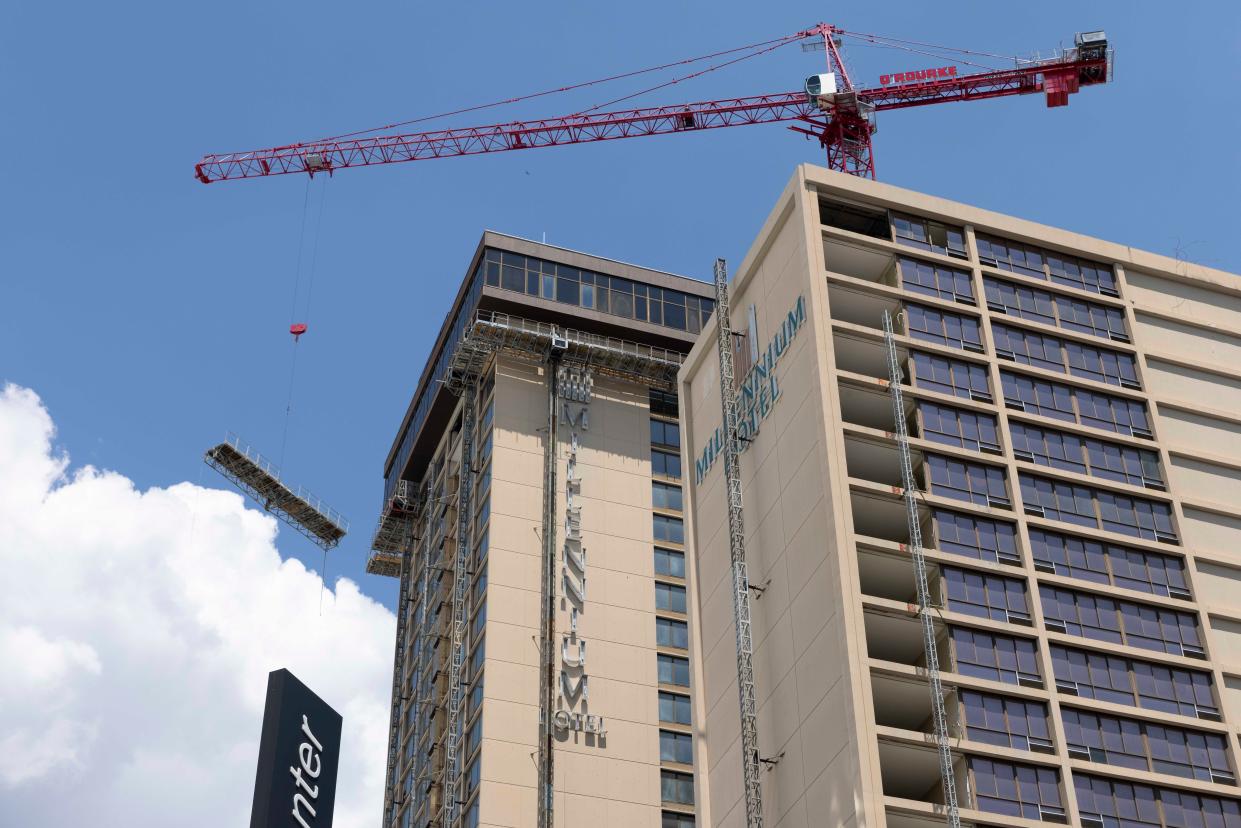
x,y
297,277
770,47
908,45
779,41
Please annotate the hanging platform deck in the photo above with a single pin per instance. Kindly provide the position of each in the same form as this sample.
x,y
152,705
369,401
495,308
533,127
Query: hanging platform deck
x,y
395,532
249,471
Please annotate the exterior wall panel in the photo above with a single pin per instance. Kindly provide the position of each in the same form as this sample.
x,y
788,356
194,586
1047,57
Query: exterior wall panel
x,y
1141,353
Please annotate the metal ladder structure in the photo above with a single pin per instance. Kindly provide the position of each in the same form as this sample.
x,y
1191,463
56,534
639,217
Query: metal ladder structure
x,y
404,541
736,541
425,636
460,586
925,615
547,638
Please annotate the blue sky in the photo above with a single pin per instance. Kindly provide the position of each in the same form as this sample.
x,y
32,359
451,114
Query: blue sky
x,y
151,312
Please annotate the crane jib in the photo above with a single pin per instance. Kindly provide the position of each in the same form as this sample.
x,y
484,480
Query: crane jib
x,y
839,120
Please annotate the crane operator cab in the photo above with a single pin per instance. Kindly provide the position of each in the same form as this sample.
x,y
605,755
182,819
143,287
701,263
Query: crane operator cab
x,y
819,87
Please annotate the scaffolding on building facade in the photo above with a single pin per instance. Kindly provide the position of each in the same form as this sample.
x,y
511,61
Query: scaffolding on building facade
x,y
925,607
736,546
412,542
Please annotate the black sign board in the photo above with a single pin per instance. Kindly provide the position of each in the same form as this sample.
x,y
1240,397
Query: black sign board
x,y
298,757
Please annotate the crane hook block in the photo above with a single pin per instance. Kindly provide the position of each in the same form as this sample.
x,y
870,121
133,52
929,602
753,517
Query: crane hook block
x,y
297,329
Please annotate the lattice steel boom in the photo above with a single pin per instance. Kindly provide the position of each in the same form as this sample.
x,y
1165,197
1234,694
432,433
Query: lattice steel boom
x,y
842,122
736,546
925,614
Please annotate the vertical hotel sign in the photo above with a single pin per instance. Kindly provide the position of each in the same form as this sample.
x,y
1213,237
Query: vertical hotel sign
x,y
299,753
758,392
575,386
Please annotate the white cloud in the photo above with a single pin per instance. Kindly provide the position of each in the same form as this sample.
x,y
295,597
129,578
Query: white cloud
x,y
136,633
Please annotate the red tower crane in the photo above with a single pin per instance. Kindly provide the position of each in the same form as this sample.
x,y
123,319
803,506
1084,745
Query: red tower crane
x,y
832,109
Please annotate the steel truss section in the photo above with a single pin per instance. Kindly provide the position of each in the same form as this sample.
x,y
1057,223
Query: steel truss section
x,y
736,544
249,471
460,586
533,341
547,646
426,636
405,565
327,156
394,533
925,614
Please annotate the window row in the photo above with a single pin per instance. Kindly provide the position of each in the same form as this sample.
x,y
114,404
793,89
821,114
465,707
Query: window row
x,y
1065,356
995,657
673,707
1097,509
583,288
664,496
1016,790
1033,261
1112,803
1107,563
666,463
1121,622
943,328
669,597
1005,721
669,562
1075,405
1087,455
929,279
975,537
1134,683
672,670
668,529
956,427
665,434
1066,312
676,787
1144,746
672,819
972,482
950,376
669,632
927,234
984,595
676,747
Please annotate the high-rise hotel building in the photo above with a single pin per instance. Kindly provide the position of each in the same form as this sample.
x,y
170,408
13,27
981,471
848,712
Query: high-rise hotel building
x,y
1073,412
533,514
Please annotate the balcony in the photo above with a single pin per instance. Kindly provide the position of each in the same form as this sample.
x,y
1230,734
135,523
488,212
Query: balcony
x,y
906,704
882,516
897,637
863,355
860,306
849,259
911,771
870,406
877,462
890,575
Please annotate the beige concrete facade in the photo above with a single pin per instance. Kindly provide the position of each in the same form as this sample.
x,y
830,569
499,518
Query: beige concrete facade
x,y
843,702
619,675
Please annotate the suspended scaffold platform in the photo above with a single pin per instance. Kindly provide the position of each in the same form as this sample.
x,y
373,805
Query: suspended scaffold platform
x,y
530,340
249,471
395,532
